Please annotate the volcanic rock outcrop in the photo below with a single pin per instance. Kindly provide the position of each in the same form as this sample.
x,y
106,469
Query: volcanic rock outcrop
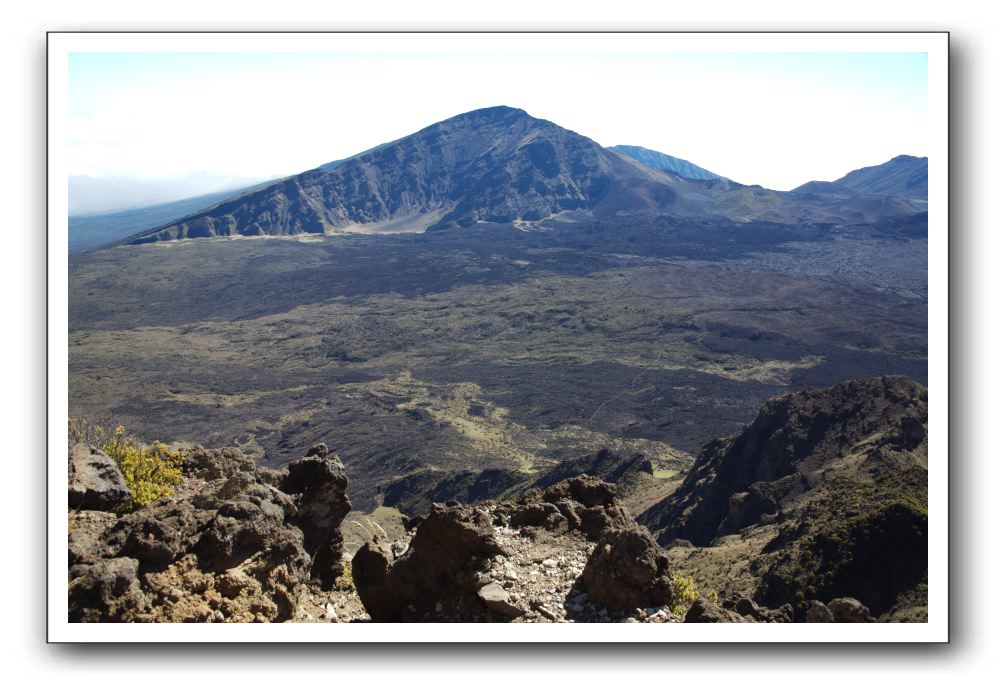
x,y
459,563
236,543
832,482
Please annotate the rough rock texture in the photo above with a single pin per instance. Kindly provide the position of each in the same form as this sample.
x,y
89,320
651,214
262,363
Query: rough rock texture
x,y
520,561
736,481
319,481
746,607
582,503
441,566
628,569
818,613
848,610
229,546
496,164
703,611
828,490
95,482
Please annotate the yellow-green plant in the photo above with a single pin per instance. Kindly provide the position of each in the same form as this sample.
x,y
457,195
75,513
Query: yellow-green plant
x,y
345,580
150,472
685,593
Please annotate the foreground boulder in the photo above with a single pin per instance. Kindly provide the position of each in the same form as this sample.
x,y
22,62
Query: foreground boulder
x,y
703,611
628,570
236,543
439,573
489,562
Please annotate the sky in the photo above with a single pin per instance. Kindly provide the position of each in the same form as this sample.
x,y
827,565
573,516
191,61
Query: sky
x,y
151,127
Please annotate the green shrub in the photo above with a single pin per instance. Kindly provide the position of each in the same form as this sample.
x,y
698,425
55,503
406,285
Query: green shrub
x,y
685,593
150,472
345,580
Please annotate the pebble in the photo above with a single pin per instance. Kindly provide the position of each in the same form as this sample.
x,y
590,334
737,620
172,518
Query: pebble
x,y
330,612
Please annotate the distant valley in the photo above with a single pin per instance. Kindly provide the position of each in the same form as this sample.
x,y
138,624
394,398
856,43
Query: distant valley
x,y
491,341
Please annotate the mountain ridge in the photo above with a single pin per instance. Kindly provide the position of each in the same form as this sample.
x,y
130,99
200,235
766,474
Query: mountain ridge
x,y
664,162
902,176
499,165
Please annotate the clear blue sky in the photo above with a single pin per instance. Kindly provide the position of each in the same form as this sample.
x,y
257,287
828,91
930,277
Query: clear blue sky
x,y
181,124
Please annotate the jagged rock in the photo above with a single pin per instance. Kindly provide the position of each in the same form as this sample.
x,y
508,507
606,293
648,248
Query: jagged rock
x,y
781,453
215,463
627,570
746,607
543,515
87,536
95,481
581,503
229,544
848,610
319,483
818,613
105,590
442,565
703,611
583,489
158,534
834,480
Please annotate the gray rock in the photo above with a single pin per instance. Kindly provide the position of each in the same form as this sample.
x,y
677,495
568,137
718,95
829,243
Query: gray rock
x,y
818,613
498,600
849,610
95,481
107,590
703,611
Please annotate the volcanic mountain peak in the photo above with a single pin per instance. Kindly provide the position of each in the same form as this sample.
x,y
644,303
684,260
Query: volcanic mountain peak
x,y
501,165
491,165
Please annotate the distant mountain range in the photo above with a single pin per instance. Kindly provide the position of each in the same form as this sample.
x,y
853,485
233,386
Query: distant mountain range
x,y
500,165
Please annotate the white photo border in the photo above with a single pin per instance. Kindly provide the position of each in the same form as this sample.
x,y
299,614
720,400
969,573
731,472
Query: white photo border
x,y
934,44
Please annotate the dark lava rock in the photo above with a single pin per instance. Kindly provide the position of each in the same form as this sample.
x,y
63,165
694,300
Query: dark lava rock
x,y
818,613
318,483
585,503
628,570
95,482
703,611
441,566
849,610
738,480
106,590
227,521
746,607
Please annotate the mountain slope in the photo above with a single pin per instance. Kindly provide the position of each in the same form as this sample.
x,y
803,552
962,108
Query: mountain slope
x,y
500,165
902,176
662,162
826,489
495,165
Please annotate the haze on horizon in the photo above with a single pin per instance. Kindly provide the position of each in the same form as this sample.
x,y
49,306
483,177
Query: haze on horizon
x,y
153,127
